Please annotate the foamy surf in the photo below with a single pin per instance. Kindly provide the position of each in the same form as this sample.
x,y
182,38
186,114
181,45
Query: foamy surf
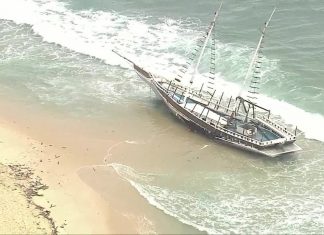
x,y
138,180
155,46
234,208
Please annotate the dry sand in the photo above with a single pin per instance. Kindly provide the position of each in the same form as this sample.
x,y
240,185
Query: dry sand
x,y
74,207
18,185
18,214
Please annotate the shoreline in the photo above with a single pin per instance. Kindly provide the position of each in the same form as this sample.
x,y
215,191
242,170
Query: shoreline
x,y
65,153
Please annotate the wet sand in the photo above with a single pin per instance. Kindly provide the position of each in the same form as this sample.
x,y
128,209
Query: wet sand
x,y
71,156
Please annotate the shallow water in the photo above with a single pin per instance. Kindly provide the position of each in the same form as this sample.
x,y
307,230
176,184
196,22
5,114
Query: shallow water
x,y
57,55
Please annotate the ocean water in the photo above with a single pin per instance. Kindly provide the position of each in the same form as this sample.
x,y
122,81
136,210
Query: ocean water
x,y
58,55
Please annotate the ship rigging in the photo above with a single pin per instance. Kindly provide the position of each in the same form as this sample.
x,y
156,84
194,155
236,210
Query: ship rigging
x,y
239,121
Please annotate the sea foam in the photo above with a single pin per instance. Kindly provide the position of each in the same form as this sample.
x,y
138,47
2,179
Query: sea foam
x,y
155,46
224,203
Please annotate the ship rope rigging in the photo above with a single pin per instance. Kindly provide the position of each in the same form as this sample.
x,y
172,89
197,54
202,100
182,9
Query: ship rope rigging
x,y
242,123
200,47
254,70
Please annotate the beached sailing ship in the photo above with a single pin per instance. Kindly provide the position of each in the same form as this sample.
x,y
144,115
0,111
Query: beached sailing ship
x,y
239,121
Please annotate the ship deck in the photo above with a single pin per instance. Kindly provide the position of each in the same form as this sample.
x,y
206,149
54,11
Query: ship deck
x,y
237,125
263,136
278,150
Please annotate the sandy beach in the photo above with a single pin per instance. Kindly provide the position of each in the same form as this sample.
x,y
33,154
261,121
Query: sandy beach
x,y
18,212
70,204
87,147
71,156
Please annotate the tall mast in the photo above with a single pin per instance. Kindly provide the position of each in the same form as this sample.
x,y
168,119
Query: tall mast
x,y
205,43
256,53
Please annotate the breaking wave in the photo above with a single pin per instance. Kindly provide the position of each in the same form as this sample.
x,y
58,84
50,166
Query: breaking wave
x,y
155,46
264,206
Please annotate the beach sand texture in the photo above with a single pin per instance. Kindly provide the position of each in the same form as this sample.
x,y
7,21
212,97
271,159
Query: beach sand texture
x,y
27,167
85,194
18,214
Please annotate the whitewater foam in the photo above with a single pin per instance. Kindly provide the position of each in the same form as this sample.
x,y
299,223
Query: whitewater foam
x,y
131,175
262,206
155,46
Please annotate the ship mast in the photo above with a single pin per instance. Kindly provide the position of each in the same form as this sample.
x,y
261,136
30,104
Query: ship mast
x,y
205,44
256,53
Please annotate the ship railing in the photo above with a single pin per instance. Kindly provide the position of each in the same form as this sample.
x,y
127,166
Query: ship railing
x,y
207,101
251,140
174,88
283,130
240,136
